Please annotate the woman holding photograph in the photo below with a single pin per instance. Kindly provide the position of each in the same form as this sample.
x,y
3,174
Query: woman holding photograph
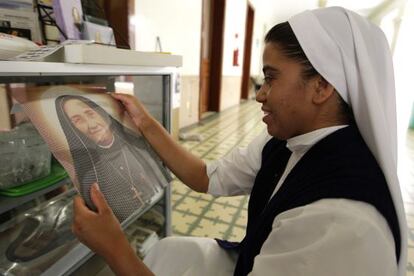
x,y
104,151
324,193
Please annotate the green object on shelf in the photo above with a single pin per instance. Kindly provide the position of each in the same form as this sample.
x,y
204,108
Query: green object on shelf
x,y
57,173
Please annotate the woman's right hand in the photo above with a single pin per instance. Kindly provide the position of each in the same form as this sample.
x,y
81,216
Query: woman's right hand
x,y
135,109
190,169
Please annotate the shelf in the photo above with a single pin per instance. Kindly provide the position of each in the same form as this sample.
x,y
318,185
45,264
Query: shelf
x,y
36,69
8,203
80,253
22,74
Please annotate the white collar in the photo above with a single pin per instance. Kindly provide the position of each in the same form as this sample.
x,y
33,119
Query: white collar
x,y
109,145
305,141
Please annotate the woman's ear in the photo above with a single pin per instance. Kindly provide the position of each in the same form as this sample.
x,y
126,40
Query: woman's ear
x,y
323,90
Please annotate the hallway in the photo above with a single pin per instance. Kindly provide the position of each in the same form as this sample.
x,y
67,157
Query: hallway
x,y
202,215
196,214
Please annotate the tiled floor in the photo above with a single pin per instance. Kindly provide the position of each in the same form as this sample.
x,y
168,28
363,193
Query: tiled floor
x,y
196,214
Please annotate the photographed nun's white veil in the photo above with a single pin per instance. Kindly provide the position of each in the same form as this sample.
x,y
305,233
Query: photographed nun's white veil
x,y
353,55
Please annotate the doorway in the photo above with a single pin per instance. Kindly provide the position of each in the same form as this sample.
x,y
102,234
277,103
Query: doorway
x,y
244,95
211,55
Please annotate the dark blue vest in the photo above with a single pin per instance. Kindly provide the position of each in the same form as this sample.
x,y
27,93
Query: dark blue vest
x,y
339,166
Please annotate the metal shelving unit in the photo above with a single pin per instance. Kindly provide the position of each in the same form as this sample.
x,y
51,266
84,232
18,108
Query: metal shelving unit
x,y
33,73
9,203
80,254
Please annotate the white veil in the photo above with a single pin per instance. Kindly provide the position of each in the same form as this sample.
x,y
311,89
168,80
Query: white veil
x,y
353,55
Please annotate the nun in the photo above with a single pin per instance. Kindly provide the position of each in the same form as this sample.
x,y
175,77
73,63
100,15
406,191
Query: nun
x,y
129,174
323,186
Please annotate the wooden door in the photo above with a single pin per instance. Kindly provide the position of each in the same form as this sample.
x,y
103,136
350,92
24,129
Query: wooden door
x,y
205,57
247,52
211,57
117,13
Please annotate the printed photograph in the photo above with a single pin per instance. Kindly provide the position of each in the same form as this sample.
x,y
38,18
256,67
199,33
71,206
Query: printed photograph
x,y
94,139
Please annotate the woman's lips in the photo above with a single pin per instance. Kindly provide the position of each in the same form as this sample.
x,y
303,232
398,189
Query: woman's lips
x,y
267,115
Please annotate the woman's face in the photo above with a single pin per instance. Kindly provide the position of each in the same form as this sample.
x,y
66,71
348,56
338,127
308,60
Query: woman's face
x,y
284,95
88,121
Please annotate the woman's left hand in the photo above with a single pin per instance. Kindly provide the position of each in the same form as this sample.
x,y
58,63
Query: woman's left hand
x,y
100,230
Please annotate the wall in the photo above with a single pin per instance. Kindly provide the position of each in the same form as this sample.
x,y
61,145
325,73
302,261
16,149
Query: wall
x,y
189,109
259,32
403,60
5,122
178,24
267,14
235,23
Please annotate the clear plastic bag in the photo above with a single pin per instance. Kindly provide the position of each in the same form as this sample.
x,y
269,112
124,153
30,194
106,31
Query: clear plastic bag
x,y
24,156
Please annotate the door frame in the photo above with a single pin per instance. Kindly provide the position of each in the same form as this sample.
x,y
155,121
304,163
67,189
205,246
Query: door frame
x,y
214,62
244,95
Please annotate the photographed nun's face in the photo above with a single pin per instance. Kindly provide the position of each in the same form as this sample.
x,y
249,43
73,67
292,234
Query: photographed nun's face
x,y
284,95
88,121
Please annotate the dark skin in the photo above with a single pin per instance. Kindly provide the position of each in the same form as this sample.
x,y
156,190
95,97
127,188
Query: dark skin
x,y
292,106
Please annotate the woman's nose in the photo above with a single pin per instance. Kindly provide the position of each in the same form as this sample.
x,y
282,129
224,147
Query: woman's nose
x,y
260,94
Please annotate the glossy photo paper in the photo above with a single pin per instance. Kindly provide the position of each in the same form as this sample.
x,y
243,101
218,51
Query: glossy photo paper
x,y
90,134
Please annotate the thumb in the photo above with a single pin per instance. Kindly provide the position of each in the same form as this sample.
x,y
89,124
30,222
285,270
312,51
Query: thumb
x,y
124,98
98,199
130,102
79,207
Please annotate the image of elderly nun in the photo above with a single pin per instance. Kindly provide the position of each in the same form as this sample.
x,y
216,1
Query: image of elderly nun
x,y
128,172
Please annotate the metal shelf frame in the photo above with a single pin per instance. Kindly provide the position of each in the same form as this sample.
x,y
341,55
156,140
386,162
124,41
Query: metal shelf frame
x,y
8,203
80,254
31,72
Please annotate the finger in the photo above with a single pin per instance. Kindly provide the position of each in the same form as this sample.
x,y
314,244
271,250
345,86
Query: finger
x,y
126,99
121,96
80,210
79,207
98,199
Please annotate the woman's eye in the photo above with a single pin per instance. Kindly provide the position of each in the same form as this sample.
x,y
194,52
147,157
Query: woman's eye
x,y
267,79
91,114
